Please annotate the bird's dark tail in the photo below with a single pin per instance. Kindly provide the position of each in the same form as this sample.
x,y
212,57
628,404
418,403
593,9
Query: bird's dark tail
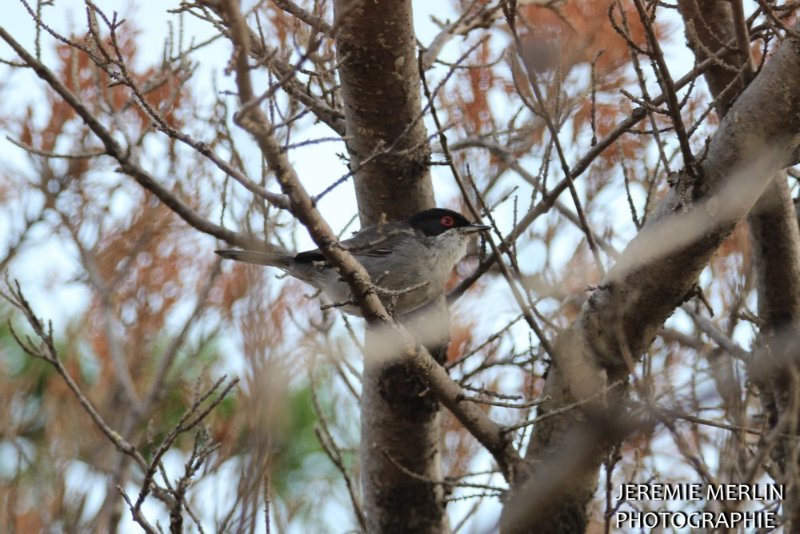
x,y
256,257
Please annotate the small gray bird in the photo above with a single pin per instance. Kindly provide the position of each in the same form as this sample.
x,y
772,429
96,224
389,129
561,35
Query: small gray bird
x,y
408,261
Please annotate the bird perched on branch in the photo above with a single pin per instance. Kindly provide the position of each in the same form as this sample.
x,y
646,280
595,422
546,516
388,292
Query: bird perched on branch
x,y
408,261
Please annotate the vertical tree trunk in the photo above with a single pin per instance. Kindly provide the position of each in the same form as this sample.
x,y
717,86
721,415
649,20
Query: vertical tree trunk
x,y
386,137
389,154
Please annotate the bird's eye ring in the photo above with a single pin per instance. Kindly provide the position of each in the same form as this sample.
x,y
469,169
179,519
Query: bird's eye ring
x,y
447,221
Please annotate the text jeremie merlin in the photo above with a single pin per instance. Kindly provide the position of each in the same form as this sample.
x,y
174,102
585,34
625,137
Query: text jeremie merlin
x,y
764,517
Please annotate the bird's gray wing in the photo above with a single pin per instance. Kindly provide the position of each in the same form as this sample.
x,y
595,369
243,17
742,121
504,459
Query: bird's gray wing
x,y
373,241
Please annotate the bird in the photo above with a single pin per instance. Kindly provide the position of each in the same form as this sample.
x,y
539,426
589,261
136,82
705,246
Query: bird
x,y
408,261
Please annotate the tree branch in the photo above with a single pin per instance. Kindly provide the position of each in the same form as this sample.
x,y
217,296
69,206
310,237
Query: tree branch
x,y
123,156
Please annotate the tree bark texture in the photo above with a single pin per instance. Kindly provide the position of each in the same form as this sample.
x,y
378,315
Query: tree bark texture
x,y
389,153
387,142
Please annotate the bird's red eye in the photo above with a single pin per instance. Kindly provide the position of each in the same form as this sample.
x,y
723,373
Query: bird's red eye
x,y
447,221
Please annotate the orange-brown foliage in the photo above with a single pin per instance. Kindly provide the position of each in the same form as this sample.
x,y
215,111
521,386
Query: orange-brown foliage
x,y
80,74
460,337
475,108
576,32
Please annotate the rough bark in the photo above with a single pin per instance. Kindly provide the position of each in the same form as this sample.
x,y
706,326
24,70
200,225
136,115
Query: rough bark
x,y
389,152
774,369
710,27
652,277
387,143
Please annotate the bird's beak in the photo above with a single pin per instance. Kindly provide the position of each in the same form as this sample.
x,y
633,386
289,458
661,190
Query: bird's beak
x,y
474,228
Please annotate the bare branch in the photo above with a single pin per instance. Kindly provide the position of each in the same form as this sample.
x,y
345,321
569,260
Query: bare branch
x,y
123,156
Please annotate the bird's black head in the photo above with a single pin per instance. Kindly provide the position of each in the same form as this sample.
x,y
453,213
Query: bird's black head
x,y
435,221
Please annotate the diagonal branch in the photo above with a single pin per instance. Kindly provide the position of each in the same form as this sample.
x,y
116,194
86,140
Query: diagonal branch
x,y
124,158
578,169
46,350
667,86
